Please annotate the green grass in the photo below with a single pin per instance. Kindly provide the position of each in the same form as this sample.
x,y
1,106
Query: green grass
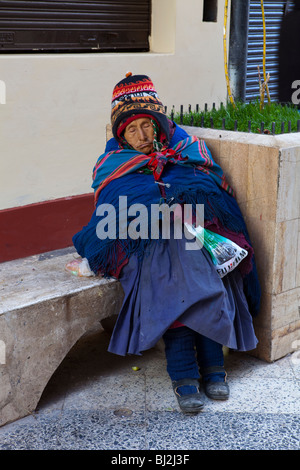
x,y
286,118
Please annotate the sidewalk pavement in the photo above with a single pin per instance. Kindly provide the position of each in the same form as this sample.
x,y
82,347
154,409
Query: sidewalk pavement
x,y
97,401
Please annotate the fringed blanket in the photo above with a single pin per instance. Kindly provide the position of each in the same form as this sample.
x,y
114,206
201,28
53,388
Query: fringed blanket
x,y
191,152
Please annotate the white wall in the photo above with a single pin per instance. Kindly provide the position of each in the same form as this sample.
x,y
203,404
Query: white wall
x,y
52,125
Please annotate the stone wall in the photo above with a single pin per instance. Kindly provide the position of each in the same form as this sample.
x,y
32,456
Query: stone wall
x,y
265,173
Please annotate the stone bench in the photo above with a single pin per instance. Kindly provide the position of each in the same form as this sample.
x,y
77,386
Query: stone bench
x,y
45,310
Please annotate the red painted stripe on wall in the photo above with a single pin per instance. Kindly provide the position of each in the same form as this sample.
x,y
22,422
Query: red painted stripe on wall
x,y
44,226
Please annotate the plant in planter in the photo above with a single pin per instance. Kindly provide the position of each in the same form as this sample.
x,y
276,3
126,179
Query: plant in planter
x,y
274,118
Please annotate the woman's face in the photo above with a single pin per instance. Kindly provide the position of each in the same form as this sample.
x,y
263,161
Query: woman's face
x,y
140,134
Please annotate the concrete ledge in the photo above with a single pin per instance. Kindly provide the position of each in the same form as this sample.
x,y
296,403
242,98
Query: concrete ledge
x,y
44,311
264,170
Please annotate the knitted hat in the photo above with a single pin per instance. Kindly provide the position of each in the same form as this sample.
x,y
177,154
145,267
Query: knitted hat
x,y
135,97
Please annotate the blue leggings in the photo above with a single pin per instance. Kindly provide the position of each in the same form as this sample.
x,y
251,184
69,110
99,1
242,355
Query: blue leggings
x,y
187,352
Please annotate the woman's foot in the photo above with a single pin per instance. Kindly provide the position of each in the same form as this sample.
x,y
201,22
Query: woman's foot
x,y
216,390
188,395
214,383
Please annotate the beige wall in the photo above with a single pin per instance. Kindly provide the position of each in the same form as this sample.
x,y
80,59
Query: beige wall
x,y
52,125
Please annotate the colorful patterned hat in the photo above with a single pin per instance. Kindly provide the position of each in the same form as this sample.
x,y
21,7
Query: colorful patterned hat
x,y
134,97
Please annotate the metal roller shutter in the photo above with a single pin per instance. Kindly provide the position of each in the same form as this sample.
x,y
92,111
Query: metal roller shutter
x,y
62,25
274,11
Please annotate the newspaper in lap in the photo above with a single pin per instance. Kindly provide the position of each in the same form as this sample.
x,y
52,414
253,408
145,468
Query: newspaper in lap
x,y
225,254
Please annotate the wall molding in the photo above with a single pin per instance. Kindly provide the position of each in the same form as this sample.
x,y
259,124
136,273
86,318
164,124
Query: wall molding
x,y
44,226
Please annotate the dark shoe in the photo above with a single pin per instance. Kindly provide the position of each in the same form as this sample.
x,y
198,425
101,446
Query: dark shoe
x,y
190,403
216,390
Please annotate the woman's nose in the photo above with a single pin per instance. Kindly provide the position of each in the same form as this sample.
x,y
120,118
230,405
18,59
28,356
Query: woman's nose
x,y
142,134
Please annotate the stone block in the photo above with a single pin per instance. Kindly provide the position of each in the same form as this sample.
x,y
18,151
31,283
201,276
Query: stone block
x,y
262,182
285,340
285,309
289,185
285,259
265,172
234,162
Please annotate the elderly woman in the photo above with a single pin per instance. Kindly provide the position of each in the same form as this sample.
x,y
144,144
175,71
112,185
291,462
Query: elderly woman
x,y
169,291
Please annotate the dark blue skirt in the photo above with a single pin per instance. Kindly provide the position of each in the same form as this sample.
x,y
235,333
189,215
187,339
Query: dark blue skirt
x,y
171,283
